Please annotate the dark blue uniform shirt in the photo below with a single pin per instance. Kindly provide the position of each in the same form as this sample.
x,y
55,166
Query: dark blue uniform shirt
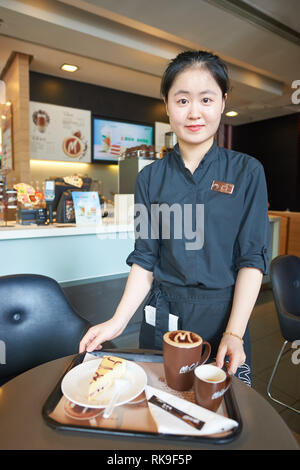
x,y
234,227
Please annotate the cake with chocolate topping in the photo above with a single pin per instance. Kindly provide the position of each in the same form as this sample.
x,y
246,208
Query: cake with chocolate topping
x,y
109,369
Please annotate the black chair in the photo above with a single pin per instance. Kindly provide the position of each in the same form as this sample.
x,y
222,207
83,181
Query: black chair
x,y
285,279
37,324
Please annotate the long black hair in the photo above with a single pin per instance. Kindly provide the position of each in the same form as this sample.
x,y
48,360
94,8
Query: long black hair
x,y
188,59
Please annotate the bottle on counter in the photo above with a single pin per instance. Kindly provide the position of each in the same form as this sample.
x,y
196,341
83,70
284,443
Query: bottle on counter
x,y
11,203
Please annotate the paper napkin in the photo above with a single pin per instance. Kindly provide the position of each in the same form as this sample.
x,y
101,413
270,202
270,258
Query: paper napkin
x,y
169,424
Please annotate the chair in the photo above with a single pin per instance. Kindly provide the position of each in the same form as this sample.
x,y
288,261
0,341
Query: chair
x,y
37,323
285,279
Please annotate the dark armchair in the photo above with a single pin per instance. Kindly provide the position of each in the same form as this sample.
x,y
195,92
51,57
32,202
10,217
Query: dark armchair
x,y
285,279
37,323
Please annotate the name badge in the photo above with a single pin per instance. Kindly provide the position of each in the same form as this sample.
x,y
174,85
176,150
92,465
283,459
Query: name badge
x,y
222,187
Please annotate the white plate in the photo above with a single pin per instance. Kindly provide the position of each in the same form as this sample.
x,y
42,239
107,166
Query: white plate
x,y
75,384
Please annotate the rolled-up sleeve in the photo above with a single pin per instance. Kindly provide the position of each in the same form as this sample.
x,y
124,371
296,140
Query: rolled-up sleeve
x,y
253,241
146,248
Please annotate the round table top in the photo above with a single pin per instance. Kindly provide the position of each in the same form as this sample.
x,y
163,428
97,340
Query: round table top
x,y
23,427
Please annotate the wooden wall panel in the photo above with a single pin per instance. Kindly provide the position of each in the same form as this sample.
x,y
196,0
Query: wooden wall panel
x,y
290,232
16,78
293,247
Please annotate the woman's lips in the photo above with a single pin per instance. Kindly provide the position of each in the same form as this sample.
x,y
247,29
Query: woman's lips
x,y
195,128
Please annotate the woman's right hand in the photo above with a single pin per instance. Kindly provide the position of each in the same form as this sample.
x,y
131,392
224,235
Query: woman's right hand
x,y
137,287
100,333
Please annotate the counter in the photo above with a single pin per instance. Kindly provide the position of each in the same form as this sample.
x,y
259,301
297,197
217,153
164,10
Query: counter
x,y
68,253
74,254
88,262
18,231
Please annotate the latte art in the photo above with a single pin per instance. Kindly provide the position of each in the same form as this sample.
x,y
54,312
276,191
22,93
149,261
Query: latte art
x,y
182,338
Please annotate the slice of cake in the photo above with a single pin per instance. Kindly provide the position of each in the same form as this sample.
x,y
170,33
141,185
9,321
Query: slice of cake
x,y
110,368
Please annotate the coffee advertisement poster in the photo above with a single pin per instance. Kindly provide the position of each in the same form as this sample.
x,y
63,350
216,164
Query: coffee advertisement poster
x,y
59,133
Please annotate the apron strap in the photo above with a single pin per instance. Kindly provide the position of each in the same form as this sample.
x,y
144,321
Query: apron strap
x,y
162,316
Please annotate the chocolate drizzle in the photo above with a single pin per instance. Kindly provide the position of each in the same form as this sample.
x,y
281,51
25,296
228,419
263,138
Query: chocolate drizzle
x,y
183,337
104,368
114,362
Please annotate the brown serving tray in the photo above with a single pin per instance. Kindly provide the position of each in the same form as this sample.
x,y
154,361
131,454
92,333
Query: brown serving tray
x,y
58,414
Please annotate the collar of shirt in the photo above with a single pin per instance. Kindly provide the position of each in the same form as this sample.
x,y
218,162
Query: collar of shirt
x,y
211,155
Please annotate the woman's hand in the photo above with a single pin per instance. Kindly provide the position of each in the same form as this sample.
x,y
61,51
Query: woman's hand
x,y
137,287
232,347
100,333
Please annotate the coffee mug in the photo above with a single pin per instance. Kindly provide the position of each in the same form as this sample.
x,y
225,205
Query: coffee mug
x,y
210,385
182,352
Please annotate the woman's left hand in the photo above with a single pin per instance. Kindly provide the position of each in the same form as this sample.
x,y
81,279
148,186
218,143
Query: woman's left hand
x,y
232,347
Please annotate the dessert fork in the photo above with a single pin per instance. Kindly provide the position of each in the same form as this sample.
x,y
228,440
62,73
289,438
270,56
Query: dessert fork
x,y
120,386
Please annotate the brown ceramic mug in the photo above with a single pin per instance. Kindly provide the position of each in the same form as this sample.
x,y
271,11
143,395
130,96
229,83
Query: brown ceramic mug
x,y
210,385
182,352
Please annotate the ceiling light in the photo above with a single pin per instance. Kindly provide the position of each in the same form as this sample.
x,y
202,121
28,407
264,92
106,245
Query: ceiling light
x,y
231,113
69,68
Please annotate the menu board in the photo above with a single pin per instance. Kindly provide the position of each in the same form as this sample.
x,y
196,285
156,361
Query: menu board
x,y
112,138
87,207
59,133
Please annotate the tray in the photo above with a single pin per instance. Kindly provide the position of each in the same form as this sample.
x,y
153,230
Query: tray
x,y
56,397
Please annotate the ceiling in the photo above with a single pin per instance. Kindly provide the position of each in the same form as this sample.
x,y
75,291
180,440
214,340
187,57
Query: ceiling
x,y
126,44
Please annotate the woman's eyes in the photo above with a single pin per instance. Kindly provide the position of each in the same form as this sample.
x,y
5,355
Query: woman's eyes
x,y
182,101
204,100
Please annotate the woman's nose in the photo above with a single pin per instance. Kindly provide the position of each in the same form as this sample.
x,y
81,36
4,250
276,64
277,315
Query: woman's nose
x,y
194,111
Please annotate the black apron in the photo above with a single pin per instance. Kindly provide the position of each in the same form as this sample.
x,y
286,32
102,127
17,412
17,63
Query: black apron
x,y
204,311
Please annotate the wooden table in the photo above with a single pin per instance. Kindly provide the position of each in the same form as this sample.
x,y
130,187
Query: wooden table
x,y
23,427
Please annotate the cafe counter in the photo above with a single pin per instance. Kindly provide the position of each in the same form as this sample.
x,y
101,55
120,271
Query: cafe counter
x,y
66,252
76,254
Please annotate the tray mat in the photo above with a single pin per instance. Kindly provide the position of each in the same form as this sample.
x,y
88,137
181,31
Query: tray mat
x,y
132,417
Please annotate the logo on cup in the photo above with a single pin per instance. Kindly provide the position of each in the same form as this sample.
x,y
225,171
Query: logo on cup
x,y
186,369
218,394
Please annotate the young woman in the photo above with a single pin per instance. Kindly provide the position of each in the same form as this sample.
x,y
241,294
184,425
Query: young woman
x,y
210,284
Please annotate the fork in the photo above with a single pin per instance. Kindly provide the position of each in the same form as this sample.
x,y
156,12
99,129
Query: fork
x,y
120,385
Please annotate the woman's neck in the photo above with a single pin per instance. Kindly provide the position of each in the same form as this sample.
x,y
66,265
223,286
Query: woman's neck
x,y
193,154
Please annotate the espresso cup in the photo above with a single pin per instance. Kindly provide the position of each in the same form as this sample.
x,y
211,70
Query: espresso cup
x,y
210,385
182,352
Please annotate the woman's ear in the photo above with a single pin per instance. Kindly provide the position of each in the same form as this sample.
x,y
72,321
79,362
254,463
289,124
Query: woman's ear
x,y
224,102
166,105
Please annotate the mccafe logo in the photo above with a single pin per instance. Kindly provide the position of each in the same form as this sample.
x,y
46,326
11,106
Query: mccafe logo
x,y
185,369
218,394
74,146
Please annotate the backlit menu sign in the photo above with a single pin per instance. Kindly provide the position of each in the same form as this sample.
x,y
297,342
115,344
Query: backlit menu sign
x,y
59,133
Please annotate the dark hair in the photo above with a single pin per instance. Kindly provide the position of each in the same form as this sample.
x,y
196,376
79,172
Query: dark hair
x,y
188,59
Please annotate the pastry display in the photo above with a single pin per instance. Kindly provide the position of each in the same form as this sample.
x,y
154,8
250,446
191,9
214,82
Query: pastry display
x,y
28,197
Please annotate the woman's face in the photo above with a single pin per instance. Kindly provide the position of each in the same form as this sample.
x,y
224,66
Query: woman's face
x,y
195,104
